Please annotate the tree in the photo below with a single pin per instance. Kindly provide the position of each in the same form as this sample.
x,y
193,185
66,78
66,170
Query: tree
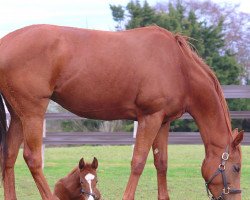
x,y
118,15
140,16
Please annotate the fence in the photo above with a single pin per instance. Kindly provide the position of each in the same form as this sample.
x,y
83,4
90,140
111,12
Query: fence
x,y
119,138
64,138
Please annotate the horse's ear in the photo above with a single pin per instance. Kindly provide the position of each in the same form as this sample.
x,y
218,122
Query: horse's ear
x,y
94,164
237,138
81,164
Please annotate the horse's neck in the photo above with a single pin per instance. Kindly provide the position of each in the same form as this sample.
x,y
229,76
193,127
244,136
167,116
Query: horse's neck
x,y
209,111
72,183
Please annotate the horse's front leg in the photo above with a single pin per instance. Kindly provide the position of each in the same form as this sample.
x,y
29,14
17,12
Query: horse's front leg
x,y
160,152
148,127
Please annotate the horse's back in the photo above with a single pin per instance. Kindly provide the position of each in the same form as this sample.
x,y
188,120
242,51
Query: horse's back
x,y
105,72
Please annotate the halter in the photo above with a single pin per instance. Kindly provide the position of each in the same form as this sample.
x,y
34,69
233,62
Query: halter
x,y
88,193
221,170
84,192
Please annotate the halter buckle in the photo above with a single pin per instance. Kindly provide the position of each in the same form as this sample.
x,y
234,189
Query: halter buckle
x,y
222,167
226,190
225,156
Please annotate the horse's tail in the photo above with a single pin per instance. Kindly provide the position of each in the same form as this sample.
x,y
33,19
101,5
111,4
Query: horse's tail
x,y
3,132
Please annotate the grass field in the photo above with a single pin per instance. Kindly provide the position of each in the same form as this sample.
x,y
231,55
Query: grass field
x,y
184,177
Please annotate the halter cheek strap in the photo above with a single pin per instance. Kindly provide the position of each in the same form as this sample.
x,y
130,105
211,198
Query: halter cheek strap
x,y
221,170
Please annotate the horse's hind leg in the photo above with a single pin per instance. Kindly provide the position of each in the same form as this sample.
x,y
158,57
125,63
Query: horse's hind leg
x,y
13,140
160,153
32,121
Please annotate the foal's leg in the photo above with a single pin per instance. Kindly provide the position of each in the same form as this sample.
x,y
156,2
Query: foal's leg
x,y
160,152
14,140
148,127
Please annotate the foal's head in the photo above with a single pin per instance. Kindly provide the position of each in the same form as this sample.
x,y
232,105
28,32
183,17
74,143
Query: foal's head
x,y
222,171
88,180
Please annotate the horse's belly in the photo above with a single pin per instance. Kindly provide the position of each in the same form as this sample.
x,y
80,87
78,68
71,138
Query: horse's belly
x,y
107,113
89,106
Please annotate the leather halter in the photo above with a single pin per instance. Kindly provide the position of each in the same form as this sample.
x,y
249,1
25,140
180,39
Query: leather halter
x,y
88,193
221,170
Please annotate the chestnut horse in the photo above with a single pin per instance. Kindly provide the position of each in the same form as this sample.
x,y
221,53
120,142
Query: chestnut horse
x,y
147,74
80,183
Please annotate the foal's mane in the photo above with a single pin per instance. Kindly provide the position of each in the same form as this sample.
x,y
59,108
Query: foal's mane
x,y
184,45
73,171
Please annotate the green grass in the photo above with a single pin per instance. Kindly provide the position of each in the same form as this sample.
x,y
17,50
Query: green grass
x,y
184,177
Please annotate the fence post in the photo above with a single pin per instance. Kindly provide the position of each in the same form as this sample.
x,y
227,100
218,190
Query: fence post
x,y
7,115
43,146
135,129
134,132
8,120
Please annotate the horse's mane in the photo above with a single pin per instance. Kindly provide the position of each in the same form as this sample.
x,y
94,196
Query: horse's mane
x,y
185,46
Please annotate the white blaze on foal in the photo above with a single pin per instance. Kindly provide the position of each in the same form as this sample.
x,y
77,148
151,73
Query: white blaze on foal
x,y
89,177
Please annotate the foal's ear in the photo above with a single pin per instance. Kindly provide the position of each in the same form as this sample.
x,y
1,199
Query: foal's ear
x,y
237,137
235,131
81,164
94,164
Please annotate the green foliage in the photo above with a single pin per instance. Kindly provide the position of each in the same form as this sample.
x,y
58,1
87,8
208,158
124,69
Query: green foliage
x,y
81,125
118,15
88,125
128,126
208,40
140,16
240,105
184,125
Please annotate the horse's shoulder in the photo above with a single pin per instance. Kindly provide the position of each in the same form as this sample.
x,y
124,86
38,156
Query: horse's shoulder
x,y
59,183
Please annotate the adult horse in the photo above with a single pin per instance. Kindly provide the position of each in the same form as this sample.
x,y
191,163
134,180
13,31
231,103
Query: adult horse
x,y
146,74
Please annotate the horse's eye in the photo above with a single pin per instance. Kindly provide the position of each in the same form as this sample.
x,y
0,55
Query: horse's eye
x,y
236,168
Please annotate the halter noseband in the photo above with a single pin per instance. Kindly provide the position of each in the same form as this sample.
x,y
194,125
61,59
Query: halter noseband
x,y
84,192
221,170
88,193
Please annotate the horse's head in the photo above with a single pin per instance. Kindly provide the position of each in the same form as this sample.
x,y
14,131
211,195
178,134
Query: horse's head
x,y
222,171
88,180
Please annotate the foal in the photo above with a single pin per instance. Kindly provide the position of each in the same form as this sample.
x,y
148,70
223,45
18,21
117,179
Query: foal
x,y
80,183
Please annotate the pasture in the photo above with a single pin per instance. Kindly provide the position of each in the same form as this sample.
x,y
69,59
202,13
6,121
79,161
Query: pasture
x,y
184,176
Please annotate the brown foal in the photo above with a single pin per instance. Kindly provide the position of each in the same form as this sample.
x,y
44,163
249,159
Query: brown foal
x,y
80,183
146,74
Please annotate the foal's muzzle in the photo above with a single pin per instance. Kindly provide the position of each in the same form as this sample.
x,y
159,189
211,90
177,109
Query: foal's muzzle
x,y
84,192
